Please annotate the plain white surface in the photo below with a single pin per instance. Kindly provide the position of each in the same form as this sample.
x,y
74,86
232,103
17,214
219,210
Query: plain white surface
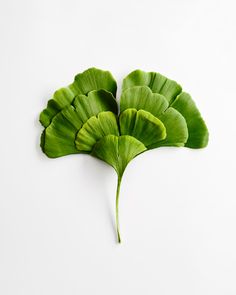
x,y
177,206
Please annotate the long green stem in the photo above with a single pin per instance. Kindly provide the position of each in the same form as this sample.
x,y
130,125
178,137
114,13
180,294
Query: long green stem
x,y
117,209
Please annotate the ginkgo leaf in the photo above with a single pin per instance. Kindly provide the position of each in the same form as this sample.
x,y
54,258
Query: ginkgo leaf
x,y
94,129
61,98
97,101
154,112
181,101
118,151
142,125
155,81
59,136
91,79
176,129
142,98
198,132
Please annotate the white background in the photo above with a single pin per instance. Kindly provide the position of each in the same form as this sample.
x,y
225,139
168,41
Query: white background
x,y
177,206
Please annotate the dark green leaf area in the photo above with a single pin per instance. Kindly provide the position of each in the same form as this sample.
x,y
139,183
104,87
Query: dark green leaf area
x,y
89,80
142,125
118,151
155,81
94,129
141,97
61,98
93,79
97,101
197,129
59,136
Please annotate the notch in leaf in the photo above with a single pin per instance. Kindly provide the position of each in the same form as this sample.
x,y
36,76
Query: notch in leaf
x,y
154,112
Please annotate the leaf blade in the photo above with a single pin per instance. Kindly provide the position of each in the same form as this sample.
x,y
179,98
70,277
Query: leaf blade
x,y
155,81
89,80
118,151
198,132
176,129
58,138
141,97
95,102
94,129
142,125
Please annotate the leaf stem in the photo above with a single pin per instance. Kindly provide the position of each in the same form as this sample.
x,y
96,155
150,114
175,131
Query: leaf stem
x,y
117,209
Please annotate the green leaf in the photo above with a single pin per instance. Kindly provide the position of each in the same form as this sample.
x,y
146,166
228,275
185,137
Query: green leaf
x,y
155,81
59,137
141,97
61,98
176,129
118,151
198,132
142,125
94,129
91,79
154,112
97,101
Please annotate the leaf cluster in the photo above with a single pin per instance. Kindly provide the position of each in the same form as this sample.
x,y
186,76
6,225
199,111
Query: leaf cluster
x,y
154,112
84,117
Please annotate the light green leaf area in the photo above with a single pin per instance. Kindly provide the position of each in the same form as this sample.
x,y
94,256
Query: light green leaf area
x,y
91,79
94,129
142,125
155,81
141,97
118,151
198,132
176,129
97,101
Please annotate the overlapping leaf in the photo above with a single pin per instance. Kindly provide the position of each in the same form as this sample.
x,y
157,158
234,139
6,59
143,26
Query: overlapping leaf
x,y
181,101
89,80
154,112
59,137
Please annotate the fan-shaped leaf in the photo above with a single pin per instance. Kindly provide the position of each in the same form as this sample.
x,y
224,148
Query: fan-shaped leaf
x,y
118,151
142,125
141,97
154,112
94,129
91,79
61,98
176,129
198,132
59,137
97,101
155,81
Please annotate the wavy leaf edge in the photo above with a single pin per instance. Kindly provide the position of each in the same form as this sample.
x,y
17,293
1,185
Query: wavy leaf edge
x,y
84,117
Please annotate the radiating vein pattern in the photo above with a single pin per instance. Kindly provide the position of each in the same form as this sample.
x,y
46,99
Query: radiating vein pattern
x,y
154,112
